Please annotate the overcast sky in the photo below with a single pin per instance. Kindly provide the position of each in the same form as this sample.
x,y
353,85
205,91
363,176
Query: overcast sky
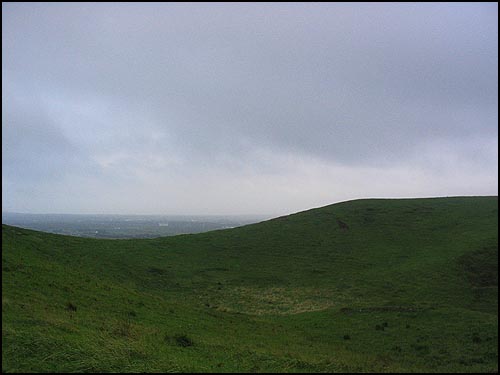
x,y
251,108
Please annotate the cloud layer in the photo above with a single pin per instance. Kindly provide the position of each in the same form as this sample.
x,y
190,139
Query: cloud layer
x,y
245,108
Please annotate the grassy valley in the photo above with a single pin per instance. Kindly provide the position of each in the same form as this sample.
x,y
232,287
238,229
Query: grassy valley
x,y
376,285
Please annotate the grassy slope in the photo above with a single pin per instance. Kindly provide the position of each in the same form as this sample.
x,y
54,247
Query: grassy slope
x,y
412,285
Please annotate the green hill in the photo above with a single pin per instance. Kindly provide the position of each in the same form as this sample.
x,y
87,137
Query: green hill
x,y
406,285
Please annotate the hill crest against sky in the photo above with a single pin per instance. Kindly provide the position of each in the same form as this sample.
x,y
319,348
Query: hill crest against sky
x,y
407,285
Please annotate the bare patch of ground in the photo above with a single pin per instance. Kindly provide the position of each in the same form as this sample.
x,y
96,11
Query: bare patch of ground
x,y
273,300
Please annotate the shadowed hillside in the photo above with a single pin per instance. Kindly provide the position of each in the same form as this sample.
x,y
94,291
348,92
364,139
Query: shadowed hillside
x,y
368,285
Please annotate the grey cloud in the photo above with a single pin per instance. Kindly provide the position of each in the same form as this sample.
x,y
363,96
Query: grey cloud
x,y
33,148
176,89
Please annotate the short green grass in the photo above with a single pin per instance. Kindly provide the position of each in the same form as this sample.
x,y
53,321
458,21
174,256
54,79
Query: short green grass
x,y
410,286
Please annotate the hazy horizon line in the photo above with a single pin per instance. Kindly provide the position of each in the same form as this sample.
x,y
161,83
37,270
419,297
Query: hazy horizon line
x,y
241,214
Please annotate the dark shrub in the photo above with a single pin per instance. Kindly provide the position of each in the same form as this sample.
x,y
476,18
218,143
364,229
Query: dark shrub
x,y
70,307
347,337
385,324
157,271
183,340
378,327
421,349
476,339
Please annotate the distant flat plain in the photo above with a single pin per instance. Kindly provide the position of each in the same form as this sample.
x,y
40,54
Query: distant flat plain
x,y
126,226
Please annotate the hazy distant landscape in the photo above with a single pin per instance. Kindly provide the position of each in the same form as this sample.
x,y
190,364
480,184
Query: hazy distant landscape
x,y
123,226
